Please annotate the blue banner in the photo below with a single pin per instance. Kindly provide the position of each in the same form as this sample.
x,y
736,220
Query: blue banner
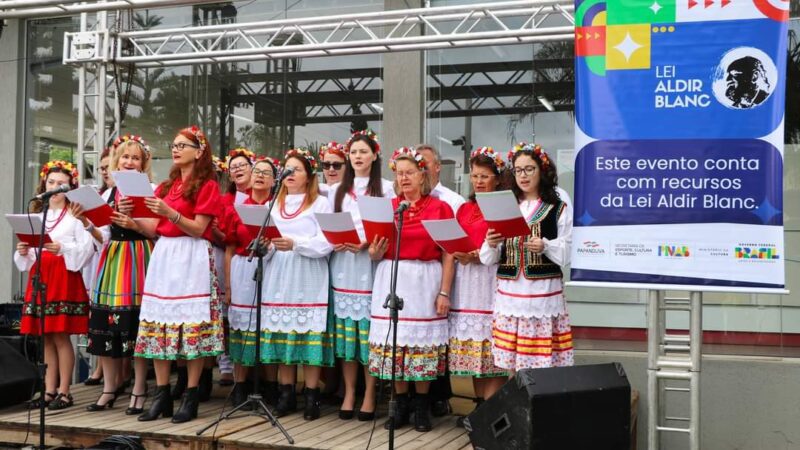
x,y
679,139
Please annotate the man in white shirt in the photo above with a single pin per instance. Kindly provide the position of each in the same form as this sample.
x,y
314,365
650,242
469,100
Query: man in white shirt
x,y
439,191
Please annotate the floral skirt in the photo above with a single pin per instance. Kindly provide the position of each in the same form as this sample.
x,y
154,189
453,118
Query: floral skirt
x,y
352,339
66,308
532,343
411,363
114,315
472,358
172,341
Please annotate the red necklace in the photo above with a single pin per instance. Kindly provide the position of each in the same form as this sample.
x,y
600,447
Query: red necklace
x,y
287,216
58,220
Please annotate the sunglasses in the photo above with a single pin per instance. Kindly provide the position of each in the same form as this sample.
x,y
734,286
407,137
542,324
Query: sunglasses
x,y
332,165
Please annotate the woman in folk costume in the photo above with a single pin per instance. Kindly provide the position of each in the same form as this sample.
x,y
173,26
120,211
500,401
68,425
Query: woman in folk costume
x,y
352,270
470,347
531,324
241,289
295,320
117,295
66,307
333,161
89,271
181,318
425,276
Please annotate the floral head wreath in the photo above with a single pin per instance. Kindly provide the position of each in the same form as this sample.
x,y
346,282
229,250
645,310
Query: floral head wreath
x,y
302,153
62,166
199,135
274,161
368,133
536,149
132,138
410,152
219,164
331,147
240,151
493,155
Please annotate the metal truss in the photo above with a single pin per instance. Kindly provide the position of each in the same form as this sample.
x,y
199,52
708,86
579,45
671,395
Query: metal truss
x,y
497,23
24,9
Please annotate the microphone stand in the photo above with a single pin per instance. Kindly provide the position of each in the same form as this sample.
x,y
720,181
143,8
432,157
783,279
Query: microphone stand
x,y
395,304
39,298
255,401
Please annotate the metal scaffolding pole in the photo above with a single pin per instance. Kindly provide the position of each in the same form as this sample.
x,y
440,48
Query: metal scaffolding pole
x,y
26,9
673,358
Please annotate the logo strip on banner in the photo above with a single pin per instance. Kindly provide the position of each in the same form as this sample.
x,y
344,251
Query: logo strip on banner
x,y
679,135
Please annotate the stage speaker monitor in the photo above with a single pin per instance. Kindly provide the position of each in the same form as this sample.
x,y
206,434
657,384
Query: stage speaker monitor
x,y
17,376
578,407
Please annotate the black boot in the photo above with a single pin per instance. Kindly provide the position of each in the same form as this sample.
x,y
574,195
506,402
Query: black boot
x,y
180,385
312,404
270,393
401,416
422,413
161,406
287,402
206,385
239,396
188,409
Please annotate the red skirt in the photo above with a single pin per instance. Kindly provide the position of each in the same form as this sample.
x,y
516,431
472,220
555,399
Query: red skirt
x,y
66,308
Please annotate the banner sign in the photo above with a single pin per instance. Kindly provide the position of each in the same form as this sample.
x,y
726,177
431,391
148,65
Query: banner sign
x,y
679,109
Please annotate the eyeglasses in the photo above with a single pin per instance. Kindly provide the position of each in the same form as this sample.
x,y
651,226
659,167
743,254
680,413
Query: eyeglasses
x,y
477,177
405,174
103,168
527,170
332,165
267,173
182,145
236,167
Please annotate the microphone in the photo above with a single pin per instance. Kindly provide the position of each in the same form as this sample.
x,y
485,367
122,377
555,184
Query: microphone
x,y
287,171
60,189
404,205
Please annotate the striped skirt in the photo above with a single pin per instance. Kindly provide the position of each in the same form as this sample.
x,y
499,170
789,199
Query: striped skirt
x,y
117,297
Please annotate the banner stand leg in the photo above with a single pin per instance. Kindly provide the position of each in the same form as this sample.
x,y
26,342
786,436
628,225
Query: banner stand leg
x,y
673,358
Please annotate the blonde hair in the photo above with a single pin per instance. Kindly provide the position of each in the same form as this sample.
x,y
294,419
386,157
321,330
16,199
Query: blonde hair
x,y
115,155
312,185
427,186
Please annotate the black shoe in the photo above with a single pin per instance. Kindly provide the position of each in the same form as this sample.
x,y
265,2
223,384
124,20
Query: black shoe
x,y
188,408
161,406
62,401
401,416
239,396
48,397
347,415
206,385
312,404
133,410
287,402
270,392
96,406
366,416
180,384
440,408
93,381
422,416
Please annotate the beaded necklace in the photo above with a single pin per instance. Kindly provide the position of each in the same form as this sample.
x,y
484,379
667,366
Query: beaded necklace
x,y
287,216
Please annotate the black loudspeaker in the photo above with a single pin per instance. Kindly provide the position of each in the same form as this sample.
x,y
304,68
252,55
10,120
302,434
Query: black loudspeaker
x,y
579,407
17,376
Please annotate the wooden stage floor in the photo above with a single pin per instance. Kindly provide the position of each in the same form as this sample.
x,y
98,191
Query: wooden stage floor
x,y
76,427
